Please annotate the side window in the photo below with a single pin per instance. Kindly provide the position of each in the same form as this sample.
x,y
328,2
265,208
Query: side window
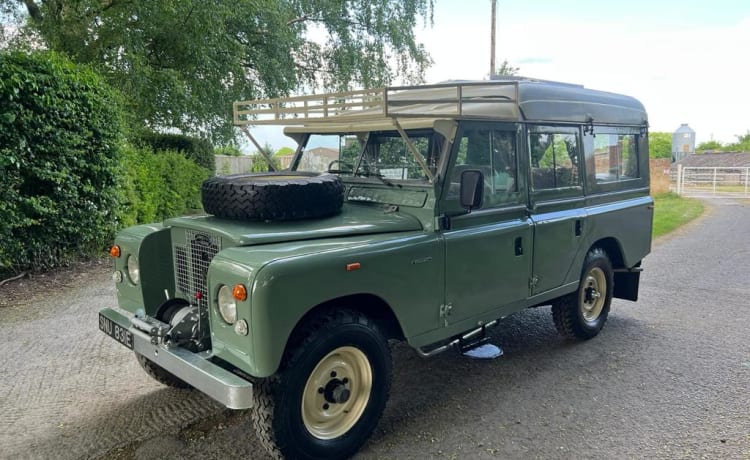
x,y
554,159
493,152
615,157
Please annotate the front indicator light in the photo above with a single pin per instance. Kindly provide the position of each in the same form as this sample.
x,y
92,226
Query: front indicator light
x,y
239,292
241,327
115,252
134,271
227,304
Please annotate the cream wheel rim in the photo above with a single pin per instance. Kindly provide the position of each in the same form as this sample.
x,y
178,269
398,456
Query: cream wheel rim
x,y
336,393
593,294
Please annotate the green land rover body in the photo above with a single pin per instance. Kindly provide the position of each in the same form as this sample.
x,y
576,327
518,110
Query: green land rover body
x,y
459,204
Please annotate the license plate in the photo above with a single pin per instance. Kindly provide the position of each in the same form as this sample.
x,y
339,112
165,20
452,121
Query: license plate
x,y
116,331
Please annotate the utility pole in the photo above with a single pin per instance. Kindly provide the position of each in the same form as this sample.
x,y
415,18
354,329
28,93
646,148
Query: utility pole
x,y
493,69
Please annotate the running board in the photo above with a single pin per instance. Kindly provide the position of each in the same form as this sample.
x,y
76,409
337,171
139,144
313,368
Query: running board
x,y
472,340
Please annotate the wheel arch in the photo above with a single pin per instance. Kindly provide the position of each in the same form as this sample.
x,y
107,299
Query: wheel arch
x,y
613,249
368,304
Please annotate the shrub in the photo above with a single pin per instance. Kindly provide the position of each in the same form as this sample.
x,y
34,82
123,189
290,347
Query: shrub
x,y
59,135
260,164
157,186
199,150
228,150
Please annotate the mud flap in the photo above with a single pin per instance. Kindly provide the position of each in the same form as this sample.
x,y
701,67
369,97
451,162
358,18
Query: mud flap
x,y
627,283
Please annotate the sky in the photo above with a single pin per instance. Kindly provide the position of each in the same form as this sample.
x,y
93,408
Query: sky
x,y
686,61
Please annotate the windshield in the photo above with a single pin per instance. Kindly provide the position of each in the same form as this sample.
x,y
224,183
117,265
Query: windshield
x,y
382,154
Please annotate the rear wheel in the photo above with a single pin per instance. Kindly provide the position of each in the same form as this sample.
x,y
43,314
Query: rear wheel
x,y
327,400
582,315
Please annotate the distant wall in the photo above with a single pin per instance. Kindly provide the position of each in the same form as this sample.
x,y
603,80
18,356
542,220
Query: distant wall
x,y
226,164
659,175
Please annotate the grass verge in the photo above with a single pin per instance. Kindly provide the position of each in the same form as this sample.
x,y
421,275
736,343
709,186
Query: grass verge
x,y
673,211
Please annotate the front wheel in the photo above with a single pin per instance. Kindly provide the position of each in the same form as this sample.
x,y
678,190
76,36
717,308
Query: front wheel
x,y
160,374
327,400
582,315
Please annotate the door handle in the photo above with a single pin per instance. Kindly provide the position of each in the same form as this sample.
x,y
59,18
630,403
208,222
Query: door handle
x,y
579,227
519,246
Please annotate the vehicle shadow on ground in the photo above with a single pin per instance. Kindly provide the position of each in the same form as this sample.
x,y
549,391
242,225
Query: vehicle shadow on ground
x,y
450,387
427,398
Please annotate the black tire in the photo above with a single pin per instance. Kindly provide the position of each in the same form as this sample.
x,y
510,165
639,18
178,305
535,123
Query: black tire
x,y
582,315
275,196
159,374
285,405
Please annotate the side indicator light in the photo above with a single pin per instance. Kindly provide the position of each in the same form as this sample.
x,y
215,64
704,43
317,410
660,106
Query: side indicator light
x,y
354,266
114,251
239,292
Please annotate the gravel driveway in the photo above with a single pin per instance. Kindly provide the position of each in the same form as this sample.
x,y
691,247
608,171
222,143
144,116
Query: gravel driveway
x,y
668,377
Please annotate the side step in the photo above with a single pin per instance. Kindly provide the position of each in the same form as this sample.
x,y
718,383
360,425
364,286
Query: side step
x,y
474,344
479,348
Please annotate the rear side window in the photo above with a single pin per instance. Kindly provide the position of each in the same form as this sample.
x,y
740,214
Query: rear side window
x,y
554,159
615,157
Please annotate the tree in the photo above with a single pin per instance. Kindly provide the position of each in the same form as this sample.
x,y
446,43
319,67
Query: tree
x,y
285,151
507,70
709,145
742,144
659,145
182,63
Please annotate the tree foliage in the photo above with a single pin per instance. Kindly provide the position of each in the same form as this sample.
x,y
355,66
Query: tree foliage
x,y
506,69
708,145
183,62
59,141
285,151
741,145
198,150
659,144
157,186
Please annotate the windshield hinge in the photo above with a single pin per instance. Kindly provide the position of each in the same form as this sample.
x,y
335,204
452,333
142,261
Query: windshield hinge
x,y
533,281
445,312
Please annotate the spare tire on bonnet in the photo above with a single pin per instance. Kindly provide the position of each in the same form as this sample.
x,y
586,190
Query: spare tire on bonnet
x,y
282,195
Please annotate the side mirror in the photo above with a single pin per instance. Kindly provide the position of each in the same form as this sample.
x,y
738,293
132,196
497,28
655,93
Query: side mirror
x,y
472,189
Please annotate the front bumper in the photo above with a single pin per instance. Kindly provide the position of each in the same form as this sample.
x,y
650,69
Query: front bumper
x,y
193,368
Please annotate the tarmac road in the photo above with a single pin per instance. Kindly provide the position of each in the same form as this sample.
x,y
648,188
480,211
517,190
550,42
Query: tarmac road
x,y
668,377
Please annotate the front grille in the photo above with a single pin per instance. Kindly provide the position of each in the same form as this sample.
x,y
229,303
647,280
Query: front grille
x,y
191,265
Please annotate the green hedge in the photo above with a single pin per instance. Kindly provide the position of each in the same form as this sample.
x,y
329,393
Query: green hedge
x,y
201,151
156,186
59,135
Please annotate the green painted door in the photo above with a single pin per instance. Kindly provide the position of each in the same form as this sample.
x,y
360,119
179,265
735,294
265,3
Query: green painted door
x,y
556,204
488,251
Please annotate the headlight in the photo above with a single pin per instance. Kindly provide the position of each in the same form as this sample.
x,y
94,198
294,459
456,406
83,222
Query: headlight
x,y
227,304
134,272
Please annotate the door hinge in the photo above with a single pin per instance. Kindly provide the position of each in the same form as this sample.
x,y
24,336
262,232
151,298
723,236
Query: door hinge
x,y
445,312
533,281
